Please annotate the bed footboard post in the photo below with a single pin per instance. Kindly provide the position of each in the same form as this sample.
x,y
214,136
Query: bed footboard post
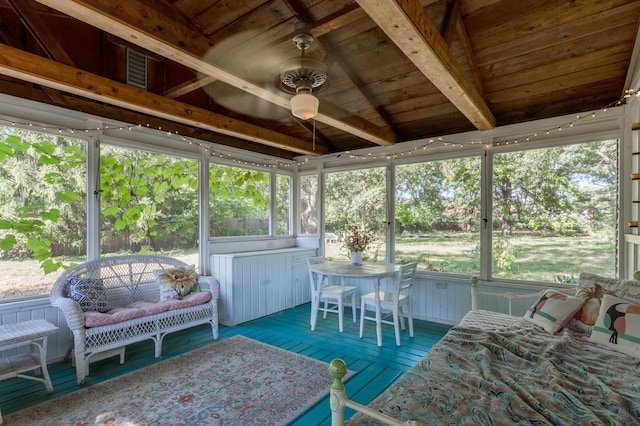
x,y
337,397
474,293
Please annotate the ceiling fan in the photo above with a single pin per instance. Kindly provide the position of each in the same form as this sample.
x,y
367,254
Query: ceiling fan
x,y
303,75
299,76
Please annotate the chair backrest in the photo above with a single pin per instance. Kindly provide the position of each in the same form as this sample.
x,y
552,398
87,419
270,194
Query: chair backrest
x,y
404,279
316,286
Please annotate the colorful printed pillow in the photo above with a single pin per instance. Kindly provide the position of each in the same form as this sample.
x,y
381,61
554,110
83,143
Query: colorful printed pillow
x,y
176,283
592,288
618,326
553,310
89,293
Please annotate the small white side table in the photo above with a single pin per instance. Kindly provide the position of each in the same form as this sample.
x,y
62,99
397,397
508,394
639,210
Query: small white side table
x,y
33,333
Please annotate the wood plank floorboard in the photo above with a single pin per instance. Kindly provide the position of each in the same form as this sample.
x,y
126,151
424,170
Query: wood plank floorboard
x,y
376,367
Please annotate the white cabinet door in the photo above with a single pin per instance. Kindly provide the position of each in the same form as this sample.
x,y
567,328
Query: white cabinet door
x,y
301,290
256,284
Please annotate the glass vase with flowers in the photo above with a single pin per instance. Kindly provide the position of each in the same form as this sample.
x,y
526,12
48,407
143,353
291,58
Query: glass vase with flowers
x,y
356,241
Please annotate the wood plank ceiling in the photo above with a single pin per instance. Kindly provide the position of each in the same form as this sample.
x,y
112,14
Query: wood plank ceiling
x,y
398,70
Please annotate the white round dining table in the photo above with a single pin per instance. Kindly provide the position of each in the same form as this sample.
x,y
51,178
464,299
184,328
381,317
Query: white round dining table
x,y
372,271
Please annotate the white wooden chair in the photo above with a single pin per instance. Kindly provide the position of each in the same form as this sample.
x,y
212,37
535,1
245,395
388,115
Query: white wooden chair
x,y
331,296
396,304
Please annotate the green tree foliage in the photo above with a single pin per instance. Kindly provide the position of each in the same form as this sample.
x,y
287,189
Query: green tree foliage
x,y
308,207
283,204
42,196
438,195
562,190
148,201
462,180
419,196
356,197
239,201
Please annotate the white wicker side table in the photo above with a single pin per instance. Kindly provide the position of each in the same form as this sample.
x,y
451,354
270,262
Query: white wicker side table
x,y
33,333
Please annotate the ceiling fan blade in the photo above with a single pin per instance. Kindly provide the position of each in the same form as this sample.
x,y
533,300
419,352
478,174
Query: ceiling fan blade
x,y
244,103
238,54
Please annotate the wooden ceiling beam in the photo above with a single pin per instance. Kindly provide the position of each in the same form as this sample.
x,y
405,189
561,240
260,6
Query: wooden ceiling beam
x,y
452,25
353,12
35,69
466,47
407,25
448,26
36,93
45,39
188,87
40,32
334,21
144,26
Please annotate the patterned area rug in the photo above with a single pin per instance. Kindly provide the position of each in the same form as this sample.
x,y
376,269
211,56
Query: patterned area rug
x,y
236,381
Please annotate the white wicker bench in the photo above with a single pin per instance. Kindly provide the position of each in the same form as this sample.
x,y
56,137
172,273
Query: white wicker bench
x,y
128,280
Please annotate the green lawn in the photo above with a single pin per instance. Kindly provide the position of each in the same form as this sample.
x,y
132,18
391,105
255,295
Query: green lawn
x,y
26,277
533,257
537,258
547,258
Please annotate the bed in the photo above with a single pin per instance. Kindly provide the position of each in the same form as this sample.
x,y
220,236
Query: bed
x,y
494,369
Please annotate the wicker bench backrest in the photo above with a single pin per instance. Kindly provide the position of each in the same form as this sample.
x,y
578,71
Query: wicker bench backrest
x,y
126,278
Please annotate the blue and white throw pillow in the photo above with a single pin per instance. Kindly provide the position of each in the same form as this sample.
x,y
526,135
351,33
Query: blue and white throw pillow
x,y
89,293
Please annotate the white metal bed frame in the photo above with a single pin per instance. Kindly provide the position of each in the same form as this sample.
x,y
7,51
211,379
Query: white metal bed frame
x,y
337,369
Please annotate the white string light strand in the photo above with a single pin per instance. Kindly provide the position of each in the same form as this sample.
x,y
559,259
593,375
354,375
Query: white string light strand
x,y
207,148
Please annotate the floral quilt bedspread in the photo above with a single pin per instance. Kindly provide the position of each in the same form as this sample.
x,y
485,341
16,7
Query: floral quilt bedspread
x,y
493,369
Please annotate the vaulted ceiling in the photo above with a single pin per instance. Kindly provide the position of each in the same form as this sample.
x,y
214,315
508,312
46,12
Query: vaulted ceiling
x,y
398,70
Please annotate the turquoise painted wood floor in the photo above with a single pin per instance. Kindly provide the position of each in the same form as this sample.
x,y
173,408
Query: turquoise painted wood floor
x,y
376,367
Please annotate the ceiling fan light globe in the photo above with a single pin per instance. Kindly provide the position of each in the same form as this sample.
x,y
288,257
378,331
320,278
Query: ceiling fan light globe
x,y
304,106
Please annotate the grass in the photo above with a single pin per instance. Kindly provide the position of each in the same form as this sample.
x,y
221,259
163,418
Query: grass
x,y
26,278
560,258
535,257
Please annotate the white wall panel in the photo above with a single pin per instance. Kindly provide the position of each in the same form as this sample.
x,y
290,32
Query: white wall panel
x,y
268,283
58,343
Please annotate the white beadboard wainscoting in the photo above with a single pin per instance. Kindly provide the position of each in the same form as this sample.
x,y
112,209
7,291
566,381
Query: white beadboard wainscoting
x,y
40,308
446,300
438,299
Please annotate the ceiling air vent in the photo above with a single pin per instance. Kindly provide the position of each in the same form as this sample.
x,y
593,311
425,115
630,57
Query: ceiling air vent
x,y
136,69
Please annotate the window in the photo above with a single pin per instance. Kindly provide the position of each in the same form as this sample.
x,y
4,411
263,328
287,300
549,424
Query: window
x,y
42,209
239,201
283,204
149,203
356,197
308,207
437,215
554,212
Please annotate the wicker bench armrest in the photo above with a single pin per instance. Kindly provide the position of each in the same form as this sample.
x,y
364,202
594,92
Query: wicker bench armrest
x,y
71,310
211,284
